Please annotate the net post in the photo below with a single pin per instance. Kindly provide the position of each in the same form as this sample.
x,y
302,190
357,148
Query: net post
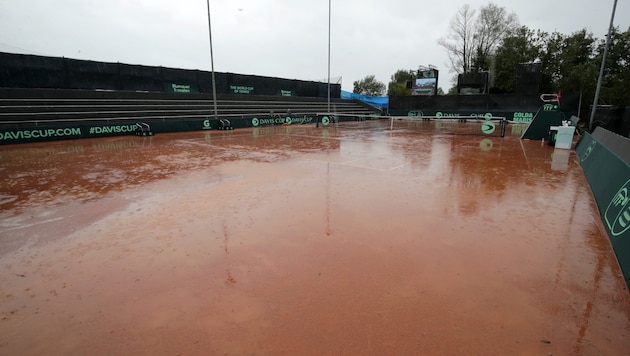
x,y
503,125
316,120
391,123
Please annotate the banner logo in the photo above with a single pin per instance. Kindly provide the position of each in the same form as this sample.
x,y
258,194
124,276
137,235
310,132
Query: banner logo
x,y
589,150
486,145
255,121
617,215
488,127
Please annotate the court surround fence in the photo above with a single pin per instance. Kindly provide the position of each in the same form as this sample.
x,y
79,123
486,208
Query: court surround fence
x,y
605,159
31,71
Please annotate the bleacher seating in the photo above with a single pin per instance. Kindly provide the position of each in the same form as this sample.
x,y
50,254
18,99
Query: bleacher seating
x,y
47,105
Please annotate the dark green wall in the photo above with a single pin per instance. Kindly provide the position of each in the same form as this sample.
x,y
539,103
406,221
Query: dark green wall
x,y
609,177
23,133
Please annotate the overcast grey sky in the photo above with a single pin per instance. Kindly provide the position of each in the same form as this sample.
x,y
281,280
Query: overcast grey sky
x,y
277,38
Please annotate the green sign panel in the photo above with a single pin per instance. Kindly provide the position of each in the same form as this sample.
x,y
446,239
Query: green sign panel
x,y
286,93
180,88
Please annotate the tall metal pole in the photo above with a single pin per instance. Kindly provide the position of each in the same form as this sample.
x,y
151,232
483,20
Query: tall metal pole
x,y
214,86
329,55
601,69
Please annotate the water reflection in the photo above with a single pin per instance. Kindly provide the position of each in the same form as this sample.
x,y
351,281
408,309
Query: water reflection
x,y
57,172
424,226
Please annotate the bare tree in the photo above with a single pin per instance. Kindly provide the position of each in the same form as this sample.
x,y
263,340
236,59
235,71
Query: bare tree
x,y
472,40
459,42
492,26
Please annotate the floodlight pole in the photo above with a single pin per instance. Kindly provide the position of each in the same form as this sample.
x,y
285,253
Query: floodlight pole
x,y
329,1
601,69
214,86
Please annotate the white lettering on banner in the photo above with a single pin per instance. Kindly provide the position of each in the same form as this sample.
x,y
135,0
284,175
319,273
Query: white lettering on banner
x,y
241,89
486,116
523,116
440,115
282,120
112,129
39,133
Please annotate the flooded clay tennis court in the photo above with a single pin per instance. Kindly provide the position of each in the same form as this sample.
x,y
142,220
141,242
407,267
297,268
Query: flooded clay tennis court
x,y
296,240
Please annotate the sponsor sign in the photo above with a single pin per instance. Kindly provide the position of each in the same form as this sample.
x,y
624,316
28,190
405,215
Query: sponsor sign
x,y
617,214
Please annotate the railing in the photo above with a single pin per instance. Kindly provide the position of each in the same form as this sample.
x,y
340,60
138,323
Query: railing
x,y
35,110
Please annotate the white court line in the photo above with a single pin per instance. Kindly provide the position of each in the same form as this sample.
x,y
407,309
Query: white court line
x,y
345,164
400,166
31,225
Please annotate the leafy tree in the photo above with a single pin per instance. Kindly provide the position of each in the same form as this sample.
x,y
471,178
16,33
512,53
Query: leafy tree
x,y
616,80
369,86
522,46
453,89
551,58
398,84
578,72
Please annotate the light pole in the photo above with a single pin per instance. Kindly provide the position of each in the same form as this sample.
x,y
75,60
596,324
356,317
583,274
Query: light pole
x,y
329,55
601,69
214,86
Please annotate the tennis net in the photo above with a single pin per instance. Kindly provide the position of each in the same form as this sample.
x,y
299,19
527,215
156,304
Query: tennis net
x,y
461,125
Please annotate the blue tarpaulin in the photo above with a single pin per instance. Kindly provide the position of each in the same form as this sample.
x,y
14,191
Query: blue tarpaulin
x,y
381,102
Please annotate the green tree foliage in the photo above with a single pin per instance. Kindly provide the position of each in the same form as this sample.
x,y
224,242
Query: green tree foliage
x,y
616,80
368,86
569,63
522,46
398,84
489,39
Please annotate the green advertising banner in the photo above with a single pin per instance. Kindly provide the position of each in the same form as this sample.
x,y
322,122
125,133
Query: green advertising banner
x,y
24,133
515,116
282,92
241,89
609,179
180,88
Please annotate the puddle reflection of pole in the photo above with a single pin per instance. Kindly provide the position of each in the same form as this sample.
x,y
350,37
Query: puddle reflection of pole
x,y
524,154
597,273
328,232
229,279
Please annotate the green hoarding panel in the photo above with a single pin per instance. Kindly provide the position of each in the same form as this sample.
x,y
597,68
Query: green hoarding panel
x,y
21,133
609,178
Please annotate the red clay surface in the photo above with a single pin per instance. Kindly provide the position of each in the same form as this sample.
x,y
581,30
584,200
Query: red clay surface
x,y
292,240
